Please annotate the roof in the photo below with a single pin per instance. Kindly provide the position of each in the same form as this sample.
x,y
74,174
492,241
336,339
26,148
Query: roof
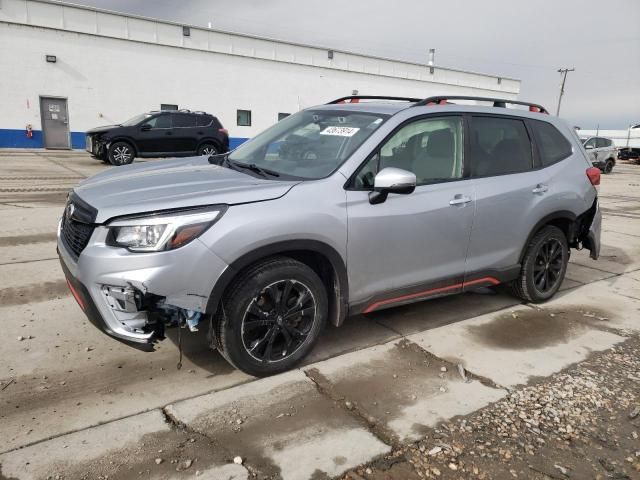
x,y
392,107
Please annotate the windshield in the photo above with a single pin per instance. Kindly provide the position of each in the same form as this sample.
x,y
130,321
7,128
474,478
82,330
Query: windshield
x,y
135,120
310,144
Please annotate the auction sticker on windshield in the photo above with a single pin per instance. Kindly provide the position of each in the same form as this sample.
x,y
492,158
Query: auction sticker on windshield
x,y
340,131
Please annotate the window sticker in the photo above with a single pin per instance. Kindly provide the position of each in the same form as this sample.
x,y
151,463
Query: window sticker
x,y
340,131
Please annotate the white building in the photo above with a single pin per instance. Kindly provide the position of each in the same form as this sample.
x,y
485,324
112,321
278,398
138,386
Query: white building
x,y
107,67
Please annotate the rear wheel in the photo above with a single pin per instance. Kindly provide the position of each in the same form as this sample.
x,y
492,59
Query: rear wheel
x,y
608,166
543,267
271,316
208,149
121,153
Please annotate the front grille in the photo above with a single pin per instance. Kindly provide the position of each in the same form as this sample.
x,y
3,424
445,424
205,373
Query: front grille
x,y
77,225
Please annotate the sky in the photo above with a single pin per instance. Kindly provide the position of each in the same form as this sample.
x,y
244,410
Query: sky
x,y
527,40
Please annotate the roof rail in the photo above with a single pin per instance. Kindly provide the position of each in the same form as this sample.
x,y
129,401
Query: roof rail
x,y
497,102
357,98
184,110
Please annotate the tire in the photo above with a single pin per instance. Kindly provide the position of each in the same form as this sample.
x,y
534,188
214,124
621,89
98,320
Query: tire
x,y
530,285
254,334
121,153
208,149
608,166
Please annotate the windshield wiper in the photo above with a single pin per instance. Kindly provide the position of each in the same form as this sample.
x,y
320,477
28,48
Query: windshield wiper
x,y
254,168
226,162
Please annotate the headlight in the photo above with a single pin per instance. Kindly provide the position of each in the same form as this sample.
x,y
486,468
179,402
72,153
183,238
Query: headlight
x,y
165,231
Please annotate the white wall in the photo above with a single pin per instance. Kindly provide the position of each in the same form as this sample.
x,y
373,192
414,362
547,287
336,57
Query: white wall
x,y
111,67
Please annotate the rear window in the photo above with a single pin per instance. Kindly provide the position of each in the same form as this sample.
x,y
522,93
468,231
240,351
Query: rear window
x,y
553,146
499,146
204,120
183,120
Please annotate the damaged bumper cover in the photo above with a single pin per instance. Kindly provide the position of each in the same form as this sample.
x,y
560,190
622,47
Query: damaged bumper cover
x,y
133,297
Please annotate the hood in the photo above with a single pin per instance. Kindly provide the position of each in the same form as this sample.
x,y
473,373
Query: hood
x,y
104,128
175,183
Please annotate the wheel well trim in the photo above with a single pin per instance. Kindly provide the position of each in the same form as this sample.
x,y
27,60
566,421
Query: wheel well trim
x,y
546,220
281,248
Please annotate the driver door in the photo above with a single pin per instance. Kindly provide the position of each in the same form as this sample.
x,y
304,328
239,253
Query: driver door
x,y
411,246
156,135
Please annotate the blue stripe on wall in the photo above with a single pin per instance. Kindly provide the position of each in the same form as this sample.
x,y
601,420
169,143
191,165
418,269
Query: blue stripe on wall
x,y
235,142
10,138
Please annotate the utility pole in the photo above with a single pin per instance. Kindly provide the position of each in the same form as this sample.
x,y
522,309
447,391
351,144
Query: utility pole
x,y
563,72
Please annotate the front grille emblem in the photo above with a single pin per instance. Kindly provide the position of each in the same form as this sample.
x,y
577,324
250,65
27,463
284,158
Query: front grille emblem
x,y
70,209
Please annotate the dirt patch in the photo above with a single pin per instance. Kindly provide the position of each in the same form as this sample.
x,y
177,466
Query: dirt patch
x,y
380,390
33,293
27,239
54,198
536,328
258,426
179,454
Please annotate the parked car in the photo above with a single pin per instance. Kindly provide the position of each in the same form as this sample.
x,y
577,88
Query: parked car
x,y
602,153
401,201
158,134
629,153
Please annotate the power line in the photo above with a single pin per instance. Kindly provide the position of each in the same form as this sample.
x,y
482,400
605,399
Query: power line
x,y
563,72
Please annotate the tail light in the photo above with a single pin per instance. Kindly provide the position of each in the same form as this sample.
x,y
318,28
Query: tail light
x,y
594,176
224,130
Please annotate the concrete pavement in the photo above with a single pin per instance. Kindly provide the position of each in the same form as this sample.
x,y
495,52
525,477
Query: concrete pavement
x,y
375,383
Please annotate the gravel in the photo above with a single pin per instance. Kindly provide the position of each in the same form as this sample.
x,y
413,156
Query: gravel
x,y
580,423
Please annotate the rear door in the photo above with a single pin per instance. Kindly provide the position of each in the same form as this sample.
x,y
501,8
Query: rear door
x,y
185,132
155,135
606,149
508,192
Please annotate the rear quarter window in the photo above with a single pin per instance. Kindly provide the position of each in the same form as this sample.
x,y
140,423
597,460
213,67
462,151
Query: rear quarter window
x,y
552,145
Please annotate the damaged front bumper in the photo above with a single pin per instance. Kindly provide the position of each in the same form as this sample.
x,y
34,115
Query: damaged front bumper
x,y
133,296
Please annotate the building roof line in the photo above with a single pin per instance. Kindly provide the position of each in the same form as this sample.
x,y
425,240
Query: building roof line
x,y
266,38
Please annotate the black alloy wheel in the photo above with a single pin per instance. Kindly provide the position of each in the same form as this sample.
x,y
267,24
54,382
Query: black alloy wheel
x,y
271,316
548,265
544,265
278,320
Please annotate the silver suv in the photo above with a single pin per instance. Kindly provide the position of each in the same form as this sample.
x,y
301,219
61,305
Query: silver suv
x,y
345,208
602,153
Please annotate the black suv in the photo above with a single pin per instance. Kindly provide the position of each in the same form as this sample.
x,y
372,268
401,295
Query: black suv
x,y
166,133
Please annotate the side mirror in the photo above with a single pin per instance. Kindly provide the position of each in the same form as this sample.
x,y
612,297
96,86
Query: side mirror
x,y
145,127
588,147
391,180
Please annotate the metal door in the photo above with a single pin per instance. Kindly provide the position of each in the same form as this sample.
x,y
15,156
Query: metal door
x,y
55,122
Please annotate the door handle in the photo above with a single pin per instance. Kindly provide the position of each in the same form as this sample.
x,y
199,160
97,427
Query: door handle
x,y
540,188
459,200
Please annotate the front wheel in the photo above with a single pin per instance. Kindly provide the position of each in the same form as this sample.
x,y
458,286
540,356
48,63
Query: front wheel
x,y
608,166
208,149
121,153
271,316
543,267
